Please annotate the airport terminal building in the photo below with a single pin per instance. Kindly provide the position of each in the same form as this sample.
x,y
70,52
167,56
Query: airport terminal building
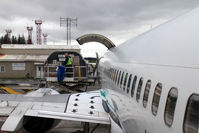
x,y
27,61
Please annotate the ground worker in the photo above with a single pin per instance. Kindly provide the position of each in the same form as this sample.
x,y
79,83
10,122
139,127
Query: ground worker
x,y
60,73
68,64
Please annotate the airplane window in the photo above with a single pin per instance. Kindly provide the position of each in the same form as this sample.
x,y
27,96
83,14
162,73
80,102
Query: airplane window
x,y
125,79
139,89
156,98
133,86
118,78
110,73
114,74
170,106
191,119
129,82
146,93
121,80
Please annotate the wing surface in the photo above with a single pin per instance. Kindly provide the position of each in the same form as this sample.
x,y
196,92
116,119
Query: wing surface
x,y
84,107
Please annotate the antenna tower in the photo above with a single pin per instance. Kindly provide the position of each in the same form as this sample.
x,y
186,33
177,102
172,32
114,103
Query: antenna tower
x,y
30,29
38,34
8,32
45,35
67,22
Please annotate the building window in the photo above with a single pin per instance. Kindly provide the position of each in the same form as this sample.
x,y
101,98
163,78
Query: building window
x,y
133,86
2,68
170,106
125,79
129,82
18,66
121,80
54,61
146,93
39,68
156,98
191,119
139,88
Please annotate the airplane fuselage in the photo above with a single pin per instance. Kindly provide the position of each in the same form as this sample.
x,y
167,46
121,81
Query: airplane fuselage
x,y
151,82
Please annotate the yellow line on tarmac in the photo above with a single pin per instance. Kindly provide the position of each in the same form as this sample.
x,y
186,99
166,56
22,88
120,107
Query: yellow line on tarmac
x,y
11,91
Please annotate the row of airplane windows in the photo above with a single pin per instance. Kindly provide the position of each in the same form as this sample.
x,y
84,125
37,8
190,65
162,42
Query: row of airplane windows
x,y
191,119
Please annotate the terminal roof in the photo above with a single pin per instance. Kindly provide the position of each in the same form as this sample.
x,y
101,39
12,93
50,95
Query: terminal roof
x,y
39,58
26,46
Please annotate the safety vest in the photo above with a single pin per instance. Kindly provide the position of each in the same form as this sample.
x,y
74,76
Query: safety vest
x,y
69,61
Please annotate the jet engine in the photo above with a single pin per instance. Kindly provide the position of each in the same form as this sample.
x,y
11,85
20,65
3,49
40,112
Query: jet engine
x,y
39,124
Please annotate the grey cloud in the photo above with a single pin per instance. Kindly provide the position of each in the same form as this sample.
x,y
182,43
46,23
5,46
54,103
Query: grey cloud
x,y
107,17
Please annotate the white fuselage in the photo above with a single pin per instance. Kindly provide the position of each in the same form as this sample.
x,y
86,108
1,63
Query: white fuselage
x,y
169,55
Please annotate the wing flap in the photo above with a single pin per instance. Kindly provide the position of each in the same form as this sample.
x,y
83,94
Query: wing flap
x,y
69,116
85,107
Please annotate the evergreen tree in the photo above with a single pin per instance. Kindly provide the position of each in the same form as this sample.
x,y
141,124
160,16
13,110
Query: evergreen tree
x,y
1,40
29,41
23,40
19,39
14,40
5,39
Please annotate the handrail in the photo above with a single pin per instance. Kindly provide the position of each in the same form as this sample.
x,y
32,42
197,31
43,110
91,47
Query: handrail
x,y
76,72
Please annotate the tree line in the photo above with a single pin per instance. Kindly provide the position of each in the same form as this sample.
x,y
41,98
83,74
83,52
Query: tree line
x,y
14,40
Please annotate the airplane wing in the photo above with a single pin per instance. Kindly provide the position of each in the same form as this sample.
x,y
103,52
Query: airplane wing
x,y
84,107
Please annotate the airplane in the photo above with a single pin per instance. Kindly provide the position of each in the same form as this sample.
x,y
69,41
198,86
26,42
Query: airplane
x,y
149,85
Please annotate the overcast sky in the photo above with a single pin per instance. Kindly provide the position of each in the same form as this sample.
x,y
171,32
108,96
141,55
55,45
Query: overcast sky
x,y
119,20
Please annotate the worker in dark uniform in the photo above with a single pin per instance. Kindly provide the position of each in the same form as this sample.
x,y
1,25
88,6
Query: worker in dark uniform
x,y
68,64
60,73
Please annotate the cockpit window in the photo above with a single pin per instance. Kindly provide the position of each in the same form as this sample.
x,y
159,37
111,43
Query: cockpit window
x,y
191,119
170,106
133,86
156,98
